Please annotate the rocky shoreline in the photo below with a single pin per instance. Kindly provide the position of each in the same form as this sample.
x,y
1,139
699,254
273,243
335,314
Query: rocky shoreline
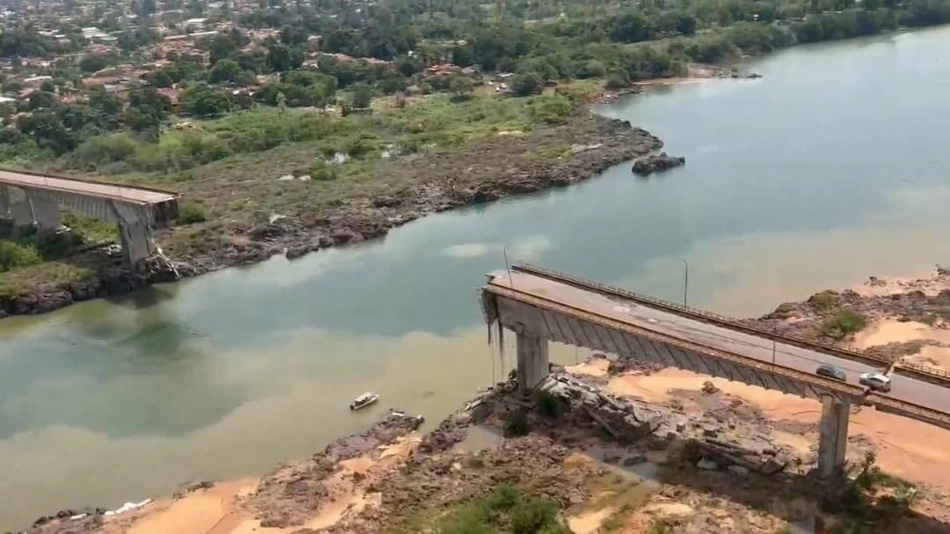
x,y
583,410
598,143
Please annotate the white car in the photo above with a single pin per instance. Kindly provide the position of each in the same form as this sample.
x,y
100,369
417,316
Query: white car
x,y
875,381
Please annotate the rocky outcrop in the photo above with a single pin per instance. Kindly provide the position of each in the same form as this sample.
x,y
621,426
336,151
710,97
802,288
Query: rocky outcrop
x,y
656,163
109,280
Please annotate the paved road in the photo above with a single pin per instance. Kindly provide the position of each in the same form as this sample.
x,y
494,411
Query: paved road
x,y
66,185
719,337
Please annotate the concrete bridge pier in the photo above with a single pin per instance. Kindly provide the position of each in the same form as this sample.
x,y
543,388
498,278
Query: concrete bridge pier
x,y
5,202
137,241
533,364
833,437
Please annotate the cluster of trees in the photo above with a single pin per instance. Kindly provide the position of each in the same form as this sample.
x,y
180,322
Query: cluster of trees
x,y
619,42
59,128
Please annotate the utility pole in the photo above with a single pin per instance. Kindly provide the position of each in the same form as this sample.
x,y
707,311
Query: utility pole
x,y
685,280
773,346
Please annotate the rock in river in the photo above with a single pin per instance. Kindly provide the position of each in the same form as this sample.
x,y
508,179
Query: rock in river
x,y
656,163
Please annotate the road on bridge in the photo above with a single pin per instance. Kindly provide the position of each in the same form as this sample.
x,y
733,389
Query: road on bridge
x,y
903,388
130,194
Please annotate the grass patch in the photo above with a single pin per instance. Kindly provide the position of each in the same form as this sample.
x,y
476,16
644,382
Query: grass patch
x,y
508,510
843,324
191,213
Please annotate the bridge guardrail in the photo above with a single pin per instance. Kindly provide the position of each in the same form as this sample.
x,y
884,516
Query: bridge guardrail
x,y
923,412
585,315
923,371
723,320
878,401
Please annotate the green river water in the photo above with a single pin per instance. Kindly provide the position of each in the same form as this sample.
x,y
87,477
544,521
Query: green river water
x,y
831,168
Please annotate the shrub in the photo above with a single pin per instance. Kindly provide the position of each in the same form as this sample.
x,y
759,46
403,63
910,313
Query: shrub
x,y
191,213
531,516
552,109
843,323
322,172
104,149
517,424
13,255
824,301
617,80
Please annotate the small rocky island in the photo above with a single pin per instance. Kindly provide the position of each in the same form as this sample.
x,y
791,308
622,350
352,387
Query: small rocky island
x,y
656,163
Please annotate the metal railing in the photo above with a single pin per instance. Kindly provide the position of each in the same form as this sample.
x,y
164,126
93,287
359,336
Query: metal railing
x,y
869,397
930,372
934,416
615,324
725,321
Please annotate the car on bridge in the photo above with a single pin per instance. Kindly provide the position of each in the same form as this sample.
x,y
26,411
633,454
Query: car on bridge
x,y
832,372
875,381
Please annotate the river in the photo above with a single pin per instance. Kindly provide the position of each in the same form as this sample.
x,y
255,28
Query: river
x,y
829,169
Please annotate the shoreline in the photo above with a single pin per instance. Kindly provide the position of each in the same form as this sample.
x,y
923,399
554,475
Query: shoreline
x,y
610,142
599,143
380,457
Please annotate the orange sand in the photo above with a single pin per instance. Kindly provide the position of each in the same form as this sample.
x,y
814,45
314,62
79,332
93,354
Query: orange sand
x,y
910,449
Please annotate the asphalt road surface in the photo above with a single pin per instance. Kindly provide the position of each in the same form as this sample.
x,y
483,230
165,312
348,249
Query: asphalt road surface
x,y
903,388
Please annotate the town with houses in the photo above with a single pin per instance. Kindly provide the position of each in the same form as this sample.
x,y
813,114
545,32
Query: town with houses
x,y
63,52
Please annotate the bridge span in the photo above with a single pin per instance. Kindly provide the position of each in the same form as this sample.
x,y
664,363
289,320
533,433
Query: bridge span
x,y
135,210
540,305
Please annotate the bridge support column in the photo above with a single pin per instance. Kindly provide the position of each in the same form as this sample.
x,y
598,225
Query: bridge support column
x,y
532,360
136,241
5,202
833,439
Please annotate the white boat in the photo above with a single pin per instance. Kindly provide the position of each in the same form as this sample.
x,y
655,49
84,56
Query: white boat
x,y
363,401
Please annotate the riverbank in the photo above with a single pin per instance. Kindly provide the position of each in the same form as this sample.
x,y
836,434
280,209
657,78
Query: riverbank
x,y
612,442
490,166
505,164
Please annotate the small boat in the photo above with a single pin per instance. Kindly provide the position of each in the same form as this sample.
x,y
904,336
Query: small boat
x,y
363,401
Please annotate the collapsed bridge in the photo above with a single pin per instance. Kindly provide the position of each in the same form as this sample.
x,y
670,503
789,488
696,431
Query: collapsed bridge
x,y
540,305
136,210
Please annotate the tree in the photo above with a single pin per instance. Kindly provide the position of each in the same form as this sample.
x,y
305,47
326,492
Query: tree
x,y
281,57
40,100
526,84
362,96
226,71
203,101
589,69
93,62
461,86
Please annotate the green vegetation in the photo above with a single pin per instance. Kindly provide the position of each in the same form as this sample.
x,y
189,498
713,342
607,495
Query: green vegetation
x,y
438,121
844,323
824,301
870,500
507,510
340,97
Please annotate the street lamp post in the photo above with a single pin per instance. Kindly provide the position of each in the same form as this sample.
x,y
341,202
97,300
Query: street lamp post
x,y
685,280
773,346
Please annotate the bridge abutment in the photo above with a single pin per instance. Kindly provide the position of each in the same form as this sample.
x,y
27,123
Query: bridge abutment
x,y
533,363
833,437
